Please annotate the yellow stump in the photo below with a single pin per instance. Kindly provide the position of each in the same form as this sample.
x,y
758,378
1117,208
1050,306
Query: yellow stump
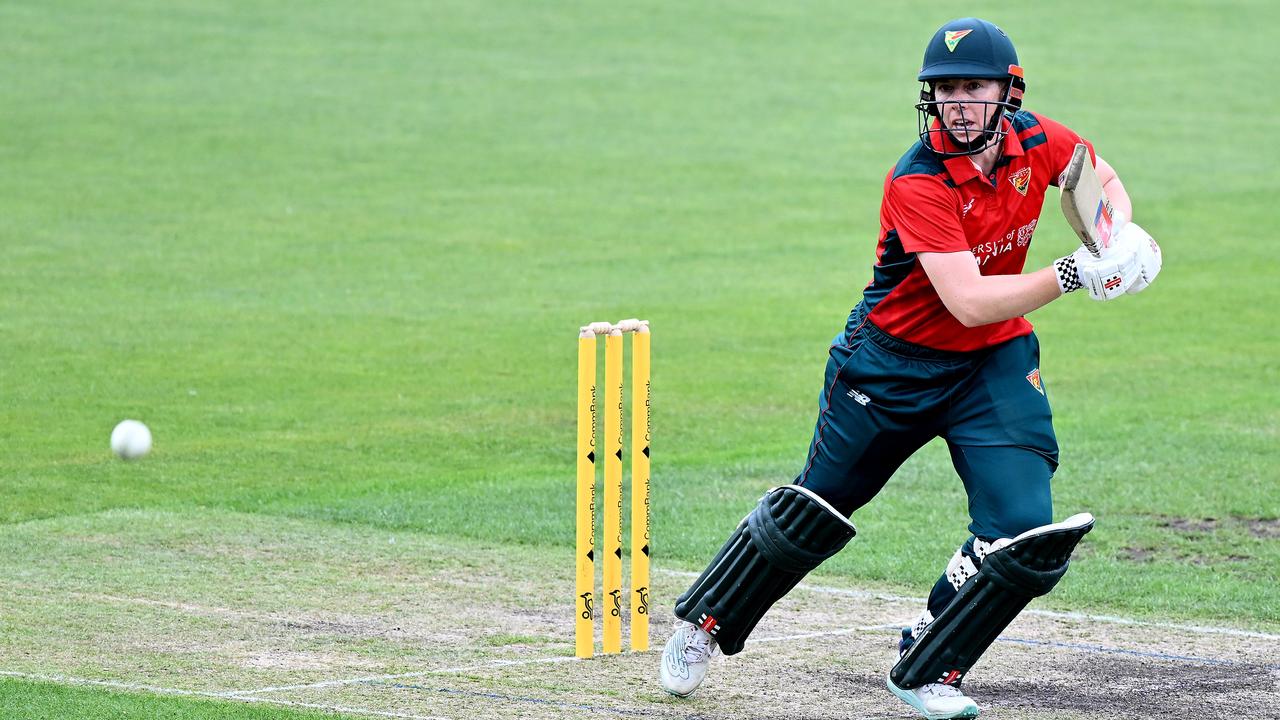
x,y
584,634
612,541
640,432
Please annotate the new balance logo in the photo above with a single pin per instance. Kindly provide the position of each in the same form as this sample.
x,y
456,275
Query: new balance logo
x,y
859,397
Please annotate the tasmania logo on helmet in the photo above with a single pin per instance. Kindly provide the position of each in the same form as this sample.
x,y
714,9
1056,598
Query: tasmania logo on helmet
x,y
953,37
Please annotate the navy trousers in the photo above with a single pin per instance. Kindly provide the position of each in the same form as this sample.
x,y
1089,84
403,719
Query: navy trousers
x,y
883,399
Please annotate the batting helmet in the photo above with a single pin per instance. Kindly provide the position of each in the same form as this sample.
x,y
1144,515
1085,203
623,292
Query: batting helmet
x,y
969,48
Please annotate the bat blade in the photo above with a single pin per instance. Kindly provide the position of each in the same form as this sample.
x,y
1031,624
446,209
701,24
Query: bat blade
x,y
1085,204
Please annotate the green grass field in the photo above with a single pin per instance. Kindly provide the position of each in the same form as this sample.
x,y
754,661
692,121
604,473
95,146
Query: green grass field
x,y
53,701
336,256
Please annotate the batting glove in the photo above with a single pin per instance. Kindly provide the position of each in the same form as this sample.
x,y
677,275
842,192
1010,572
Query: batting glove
x,y
1150,257
1106,278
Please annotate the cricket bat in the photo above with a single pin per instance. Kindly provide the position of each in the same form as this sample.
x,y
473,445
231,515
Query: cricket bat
x,y
1084,203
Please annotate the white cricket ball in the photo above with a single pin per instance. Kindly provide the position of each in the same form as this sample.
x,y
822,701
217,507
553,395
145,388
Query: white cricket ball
x,y
130,440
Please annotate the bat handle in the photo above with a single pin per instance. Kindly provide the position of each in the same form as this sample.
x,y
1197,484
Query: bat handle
x,y
1090,245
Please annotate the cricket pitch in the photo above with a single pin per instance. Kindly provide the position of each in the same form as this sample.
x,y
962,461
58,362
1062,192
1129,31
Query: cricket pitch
x,y
381,623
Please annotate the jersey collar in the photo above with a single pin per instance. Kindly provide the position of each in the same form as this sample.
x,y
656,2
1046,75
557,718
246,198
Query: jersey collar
x,y
961,168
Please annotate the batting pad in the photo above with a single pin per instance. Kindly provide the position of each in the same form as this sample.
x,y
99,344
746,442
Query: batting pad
x,y
1028,567
790,532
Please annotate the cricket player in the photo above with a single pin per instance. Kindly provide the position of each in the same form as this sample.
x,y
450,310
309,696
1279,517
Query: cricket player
x,y
938,346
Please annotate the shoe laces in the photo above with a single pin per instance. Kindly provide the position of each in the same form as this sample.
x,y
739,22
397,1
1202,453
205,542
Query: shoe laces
x,y
940,690
697,645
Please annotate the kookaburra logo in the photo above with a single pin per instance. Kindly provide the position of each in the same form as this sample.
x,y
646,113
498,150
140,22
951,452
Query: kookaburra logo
x,y
616,610
642,600
586,605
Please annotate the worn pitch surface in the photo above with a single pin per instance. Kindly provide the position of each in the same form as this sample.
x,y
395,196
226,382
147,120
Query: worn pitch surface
x,y
377,623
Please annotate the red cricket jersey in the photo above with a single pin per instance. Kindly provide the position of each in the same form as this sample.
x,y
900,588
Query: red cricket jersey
x,y
936,204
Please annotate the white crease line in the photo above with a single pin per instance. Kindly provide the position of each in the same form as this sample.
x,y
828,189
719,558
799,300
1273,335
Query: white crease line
x,y
1116,620
509,663
1057,614
203,610
304,620
339,708
864,594
67,680
402,676
823,633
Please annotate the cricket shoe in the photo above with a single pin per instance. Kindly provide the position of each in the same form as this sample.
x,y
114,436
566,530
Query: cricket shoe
x,y
685,659
936,701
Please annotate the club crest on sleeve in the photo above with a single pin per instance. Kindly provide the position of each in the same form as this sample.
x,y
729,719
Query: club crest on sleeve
x,y
1033,377
953,38
1021,180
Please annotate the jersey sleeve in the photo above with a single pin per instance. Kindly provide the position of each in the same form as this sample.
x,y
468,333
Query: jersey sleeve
x,y
1061,141
925,213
